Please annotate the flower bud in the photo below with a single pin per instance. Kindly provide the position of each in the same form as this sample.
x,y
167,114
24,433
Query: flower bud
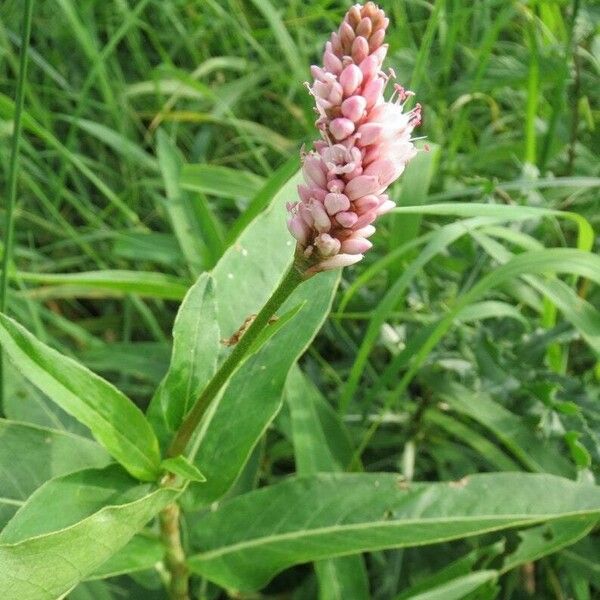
x,y
346,219
367,203
347,35
314,171
338,261
335,203
298,228
320,216
367,231
369,66
372,91
327,245
360,49
355,245
350,78
354,107
364,28
370,133
341,128
332,63
361,186
385,207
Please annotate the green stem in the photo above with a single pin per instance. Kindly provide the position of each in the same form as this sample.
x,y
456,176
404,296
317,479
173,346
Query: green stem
x,y
287,285
174,553
13,168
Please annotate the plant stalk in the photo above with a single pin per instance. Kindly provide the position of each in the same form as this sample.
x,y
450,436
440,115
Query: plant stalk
x,y
11,192
288,284
174,552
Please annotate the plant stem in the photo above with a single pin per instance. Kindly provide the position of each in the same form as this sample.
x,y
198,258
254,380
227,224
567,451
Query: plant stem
x,y
12,170
174,552
288,284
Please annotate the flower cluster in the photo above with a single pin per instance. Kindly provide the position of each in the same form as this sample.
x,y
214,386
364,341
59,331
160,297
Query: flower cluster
x,y
365,147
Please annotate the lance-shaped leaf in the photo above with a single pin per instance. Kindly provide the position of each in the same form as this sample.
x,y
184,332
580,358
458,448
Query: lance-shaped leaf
x,y
253,395
31,455
244,278
345,576
116,422
195,351
331,515
53,545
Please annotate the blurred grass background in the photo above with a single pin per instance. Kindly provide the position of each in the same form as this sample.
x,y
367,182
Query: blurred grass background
x,y
112,224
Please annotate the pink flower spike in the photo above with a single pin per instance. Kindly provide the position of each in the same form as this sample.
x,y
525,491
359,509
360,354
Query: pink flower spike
x,y
354,107
341,128
365,145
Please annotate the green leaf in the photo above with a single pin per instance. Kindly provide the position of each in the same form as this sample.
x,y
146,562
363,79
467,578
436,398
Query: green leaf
x,y
250,270
332,514
546,539
155,247
575,309
104,284
415,183
245,276
142,552
180,465
31,455
457,588
478,559
47,566
222,182
503,211
115,421
115,140
253,395
346,576
311,448
178,205
481,444
195,351
263,197
534,453
66,500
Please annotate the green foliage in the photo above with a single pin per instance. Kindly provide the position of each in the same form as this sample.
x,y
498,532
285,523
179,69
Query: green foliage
x,y
424,426
332,515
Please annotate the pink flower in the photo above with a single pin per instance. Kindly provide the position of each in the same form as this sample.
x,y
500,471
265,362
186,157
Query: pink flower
x,y
365,146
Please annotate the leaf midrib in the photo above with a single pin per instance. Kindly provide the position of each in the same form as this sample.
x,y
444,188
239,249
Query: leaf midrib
x,y
517,519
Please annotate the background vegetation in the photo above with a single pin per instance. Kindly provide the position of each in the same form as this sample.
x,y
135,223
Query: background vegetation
x,y
113,225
